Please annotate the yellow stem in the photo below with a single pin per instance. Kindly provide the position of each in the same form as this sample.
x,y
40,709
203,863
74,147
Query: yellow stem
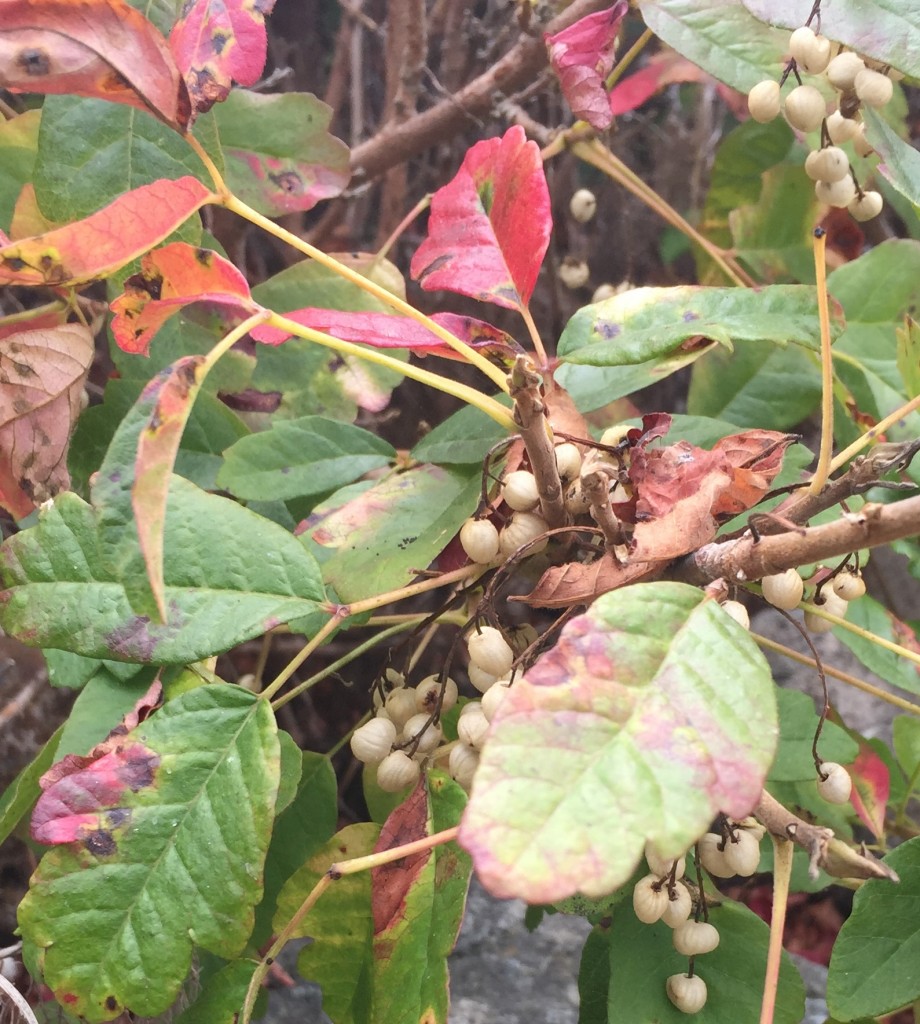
x,y
219,184
308,648
230,339
466,572
836,673
623,63
879,641
873,433
782,872
372,355
827,369
539,350
36,311
376,860
381,253
597,155
494,374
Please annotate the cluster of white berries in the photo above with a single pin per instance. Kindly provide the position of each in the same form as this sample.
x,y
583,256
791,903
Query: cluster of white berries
x,y
859,81
403,734
736,853
485,543
786,589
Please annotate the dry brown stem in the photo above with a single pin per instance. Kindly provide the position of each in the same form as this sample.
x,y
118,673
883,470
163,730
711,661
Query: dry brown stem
x,y
595,486
396,143
824,850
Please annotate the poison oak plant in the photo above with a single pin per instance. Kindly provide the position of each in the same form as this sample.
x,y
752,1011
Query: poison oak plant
x,y
628,748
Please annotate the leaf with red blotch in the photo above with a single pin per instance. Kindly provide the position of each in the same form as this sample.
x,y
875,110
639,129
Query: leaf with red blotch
x,y
218,42
871,786
99,48
755,457
653,712
77,788
384,330
170,279
663,69
106,240
489,227
564,586
583,55
42,372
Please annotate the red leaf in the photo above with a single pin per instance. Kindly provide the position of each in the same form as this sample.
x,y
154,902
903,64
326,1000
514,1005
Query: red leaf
x,y
391,882
663,69
583,55
170,279
871,786
384,330
754,457
42,371
99,48
80,795
489,227
217,42
106,240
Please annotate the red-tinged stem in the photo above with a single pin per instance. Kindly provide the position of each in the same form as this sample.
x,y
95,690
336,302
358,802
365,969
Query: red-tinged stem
x,y
782,872
823,469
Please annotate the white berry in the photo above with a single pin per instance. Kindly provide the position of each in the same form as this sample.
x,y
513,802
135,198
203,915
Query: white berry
x,y
523,528
687,993
472,729
840,128
834,783
479,539
662,866
427,739
693,938
396,771
866,206
520,492
833,605
678,908
650,900
400,706
812,53
568,461
828,164
573,273
483,681
738,612
490,651
372,741
805,108
604,291
873,88
428,693
493,697
836,193
783,589
764,102
712,857
583,205
861,144
849,585
462,765
742,853
843,69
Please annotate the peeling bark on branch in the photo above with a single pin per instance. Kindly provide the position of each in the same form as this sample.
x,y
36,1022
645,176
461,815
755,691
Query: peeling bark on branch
x,y
530,415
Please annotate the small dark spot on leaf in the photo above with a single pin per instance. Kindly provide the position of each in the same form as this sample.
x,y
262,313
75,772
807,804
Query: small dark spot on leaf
x,y
14,263
34,62
138,773
689,317
118,816
203,256
218,41
606,329
21,406
100,843
111,1003
289,182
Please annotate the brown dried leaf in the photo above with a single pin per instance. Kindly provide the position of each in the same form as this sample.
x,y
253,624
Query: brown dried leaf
x,y
578,583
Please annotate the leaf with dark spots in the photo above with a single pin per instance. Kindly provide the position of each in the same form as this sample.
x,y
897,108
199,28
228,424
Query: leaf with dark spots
x,y
218,42
385,330
172,278
98,48
489,227
183,845
105,241
583,55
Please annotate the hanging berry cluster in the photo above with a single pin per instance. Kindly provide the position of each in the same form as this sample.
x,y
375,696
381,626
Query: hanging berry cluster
x,y
859,82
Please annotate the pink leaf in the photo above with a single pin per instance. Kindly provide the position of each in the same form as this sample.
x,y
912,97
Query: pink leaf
x,y
664,69
489,227
384,330
871,786
583,55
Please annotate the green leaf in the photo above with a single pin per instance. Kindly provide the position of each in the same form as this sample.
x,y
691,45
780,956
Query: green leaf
x,y
291,768
74,672
301,458
58,593
872,969
312,380
707,32
221,995
100,706
20,795
907,744
299,831
280,156
870,615
91,151
649,322
417,910
183,868
880,286
642,958
900,162
341,926
885,30
756,386
400,524
674,712
797,724
463,438
908,357
19,144
594,976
